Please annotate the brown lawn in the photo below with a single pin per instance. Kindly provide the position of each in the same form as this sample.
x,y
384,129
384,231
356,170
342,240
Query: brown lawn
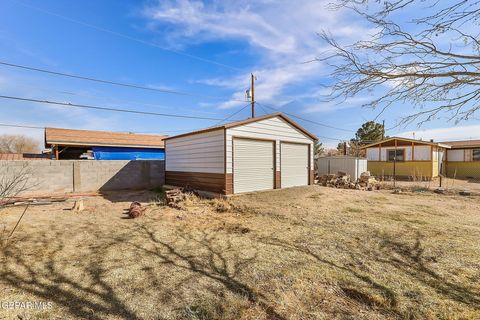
x,y
301,253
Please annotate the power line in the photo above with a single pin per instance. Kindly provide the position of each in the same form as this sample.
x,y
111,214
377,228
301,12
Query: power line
x,y
108,109
308,120
20,126
233,114
118,34
42,128
121,84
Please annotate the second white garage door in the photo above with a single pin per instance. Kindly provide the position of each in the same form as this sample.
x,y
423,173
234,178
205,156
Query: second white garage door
x,y
294,164
252,165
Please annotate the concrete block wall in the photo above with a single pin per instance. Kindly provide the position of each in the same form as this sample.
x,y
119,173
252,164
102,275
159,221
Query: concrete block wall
x,y
51,176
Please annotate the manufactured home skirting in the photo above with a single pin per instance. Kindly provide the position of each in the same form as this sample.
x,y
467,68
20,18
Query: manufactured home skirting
x,y
213,182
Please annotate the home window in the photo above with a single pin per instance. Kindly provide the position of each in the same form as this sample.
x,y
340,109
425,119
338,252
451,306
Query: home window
x,y
476,154
399,154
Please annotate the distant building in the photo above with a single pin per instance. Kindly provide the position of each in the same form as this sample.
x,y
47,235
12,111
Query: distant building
x,y
102,145
406,158
424,160
463,159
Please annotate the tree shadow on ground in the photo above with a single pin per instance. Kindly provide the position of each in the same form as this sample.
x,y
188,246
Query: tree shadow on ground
x,y
47,280
209,261
411,260
49,273
403,257
389,308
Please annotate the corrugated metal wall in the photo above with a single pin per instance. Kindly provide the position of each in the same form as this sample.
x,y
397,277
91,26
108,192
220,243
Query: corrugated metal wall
x,y
123,153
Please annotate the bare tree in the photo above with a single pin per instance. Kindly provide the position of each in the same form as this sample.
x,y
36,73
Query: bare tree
x,y
14,182
431,62
18,143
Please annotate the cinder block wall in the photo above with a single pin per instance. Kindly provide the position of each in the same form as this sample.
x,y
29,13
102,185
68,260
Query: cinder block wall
x,y
51,176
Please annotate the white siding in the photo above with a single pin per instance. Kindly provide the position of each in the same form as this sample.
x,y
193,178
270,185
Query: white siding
x,y
383,154
202,152
372,154
408,153
456,155
468,155
422,153
275,129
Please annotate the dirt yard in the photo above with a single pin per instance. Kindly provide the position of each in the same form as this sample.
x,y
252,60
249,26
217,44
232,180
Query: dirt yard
x,y
301,253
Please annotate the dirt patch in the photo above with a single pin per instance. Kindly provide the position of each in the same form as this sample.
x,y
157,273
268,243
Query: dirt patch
x,y
299,253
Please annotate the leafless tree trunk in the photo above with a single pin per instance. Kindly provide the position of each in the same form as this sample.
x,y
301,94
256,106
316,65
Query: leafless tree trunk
x,y
15,182
431,62
12,184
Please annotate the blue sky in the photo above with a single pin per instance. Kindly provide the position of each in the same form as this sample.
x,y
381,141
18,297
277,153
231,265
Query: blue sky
x,y
269,38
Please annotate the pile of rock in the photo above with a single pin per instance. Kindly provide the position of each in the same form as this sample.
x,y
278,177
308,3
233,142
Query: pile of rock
x,y
343,180
367,181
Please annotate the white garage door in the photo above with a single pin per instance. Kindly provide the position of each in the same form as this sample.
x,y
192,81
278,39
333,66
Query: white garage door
x,y
252,165
294,165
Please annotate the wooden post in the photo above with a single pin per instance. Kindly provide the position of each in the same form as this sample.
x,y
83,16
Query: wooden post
x,y
56,152
253,96
395,165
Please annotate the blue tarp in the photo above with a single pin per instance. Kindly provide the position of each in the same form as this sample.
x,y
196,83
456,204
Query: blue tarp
x,y
125,153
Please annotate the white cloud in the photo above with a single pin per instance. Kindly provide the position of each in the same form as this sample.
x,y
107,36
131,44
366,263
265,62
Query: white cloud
x,y
464,132
282,34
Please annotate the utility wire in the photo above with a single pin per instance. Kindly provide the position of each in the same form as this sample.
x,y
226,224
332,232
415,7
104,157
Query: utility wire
x,y
233,114
128,85
263,109
20,126
72,105
308,120
118,34
108,109
42,128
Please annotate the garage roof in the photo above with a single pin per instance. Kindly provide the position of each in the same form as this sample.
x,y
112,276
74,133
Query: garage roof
x,y
247,121
69,137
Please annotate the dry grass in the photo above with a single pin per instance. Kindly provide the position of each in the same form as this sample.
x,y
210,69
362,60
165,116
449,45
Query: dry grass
x,y
302,253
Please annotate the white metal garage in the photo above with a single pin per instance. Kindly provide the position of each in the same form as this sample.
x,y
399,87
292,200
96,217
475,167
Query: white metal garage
x,y
294,164
253,165
268,152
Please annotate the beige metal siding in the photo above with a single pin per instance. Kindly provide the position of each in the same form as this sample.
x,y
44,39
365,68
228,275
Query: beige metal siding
x,y
271,129
203,152
294,164
253,165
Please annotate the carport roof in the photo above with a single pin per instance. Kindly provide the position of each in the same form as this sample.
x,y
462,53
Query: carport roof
x,y
70,137
247,121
